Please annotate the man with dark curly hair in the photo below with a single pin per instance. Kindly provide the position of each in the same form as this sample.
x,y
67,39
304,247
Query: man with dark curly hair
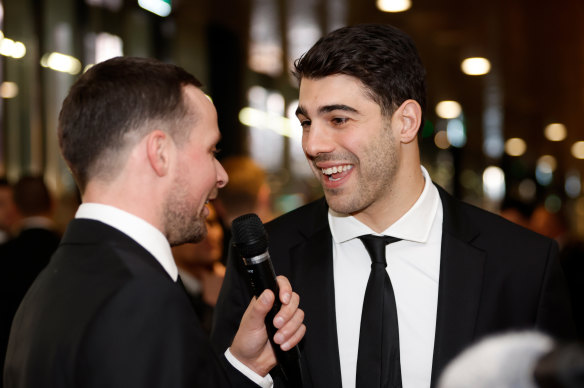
x,y
444,273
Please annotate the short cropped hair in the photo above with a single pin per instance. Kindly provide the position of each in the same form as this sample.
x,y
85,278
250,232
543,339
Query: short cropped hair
x,y
382,57
115,103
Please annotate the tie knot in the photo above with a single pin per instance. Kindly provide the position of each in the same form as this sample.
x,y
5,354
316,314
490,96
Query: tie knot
x,y
375,245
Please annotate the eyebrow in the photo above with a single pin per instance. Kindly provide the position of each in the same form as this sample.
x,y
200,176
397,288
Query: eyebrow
x,y
328,108
300,111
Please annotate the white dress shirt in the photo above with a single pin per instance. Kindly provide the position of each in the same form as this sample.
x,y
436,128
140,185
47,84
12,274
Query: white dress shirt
x,y
152,239
413,266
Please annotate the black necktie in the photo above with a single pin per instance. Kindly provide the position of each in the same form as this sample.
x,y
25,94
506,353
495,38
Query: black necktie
x,y
378,363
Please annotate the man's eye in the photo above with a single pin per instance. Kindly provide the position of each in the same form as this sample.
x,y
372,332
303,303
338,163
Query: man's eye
x,y
339,120
305,123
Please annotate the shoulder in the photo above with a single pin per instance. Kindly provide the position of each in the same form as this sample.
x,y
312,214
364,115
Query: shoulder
x,y
94,266
488,230
148,297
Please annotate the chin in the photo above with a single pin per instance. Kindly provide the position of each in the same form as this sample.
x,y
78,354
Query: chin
x,y
339,206
343,205
192,234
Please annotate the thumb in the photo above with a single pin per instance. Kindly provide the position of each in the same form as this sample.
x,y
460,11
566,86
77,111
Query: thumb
x,y
258,309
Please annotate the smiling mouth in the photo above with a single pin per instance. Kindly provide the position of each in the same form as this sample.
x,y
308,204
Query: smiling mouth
x,y
337,172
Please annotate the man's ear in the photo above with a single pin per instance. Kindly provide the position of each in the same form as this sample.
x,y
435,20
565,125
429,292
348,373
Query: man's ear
x,y
158,147
408,117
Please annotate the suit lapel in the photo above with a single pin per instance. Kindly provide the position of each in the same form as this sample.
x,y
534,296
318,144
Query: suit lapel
x,y
312,269
461,276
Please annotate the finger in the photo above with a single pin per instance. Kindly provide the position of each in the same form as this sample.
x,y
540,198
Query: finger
x,y
287,311
294,339
285,289
250,344
287,331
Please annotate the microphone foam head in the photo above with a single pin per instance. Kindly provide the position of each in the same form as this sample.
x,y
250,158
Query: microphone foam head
x,y
249,235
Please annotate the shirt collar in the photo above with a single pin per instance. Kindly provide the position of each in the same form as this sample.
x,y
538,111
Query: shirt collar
x,y
145,234
414,225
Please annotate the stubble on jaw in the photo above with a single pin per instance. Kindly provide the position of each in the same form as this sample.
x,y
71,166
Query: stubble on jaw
x,y
181,221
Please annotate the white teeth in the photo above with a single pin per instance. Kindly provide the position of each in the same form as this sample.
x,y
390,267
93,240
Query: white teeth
x,y
336,169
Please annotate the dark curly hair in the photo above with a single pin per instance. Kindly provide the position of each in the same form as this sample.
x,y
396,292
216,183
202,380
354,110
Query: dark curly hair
x,y
383,57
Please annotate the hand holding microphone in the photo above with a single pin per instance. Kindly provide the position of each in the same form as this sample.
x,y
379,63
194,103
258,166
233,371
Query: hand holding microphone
x,y
250,239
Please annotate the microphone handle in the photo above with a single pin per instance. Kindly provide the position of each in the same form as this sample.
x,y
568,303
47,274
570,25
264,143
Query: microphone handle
x,y
261,276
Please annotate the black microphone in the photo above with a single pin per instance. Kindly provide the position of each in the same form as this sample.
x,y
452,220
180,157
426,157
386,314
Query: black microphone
x,y
251,240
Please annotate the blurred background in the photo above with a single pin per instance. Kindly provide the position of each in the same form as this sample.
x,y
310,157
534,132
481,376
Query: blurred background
x,y
505,88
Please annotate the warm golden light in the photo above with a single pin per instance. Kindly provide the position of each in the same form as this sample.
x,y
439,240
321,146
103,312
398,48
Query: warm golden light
x,y
8,90
19,50
252,117
441,140
547,163
494,183
476,66
448,109
6,47
555,132
61,62
515,146
578,150
11,48
394,5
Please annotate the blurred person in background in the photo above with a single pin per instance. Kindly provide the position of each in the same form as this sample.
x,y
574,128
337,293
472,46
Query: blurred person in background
x,y
9,215
550,224
246,192
516,211
24,257
201,270
555,225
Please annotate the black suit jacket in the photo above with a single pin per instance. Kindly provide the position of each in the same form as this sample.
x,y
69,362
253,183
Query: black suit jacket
x,y
494,276
104,313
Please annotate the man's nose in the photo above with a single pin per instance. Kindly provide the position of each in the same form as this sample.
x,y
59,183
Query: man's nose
x,y
222,177
316,141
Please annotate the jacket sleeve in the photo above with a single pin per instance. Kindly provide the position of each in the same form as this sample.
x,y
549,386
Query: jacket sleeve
x,y
233,299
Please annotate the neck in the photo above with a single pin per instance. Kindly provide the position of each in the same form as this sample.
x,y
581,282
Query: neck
x,y
127,197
